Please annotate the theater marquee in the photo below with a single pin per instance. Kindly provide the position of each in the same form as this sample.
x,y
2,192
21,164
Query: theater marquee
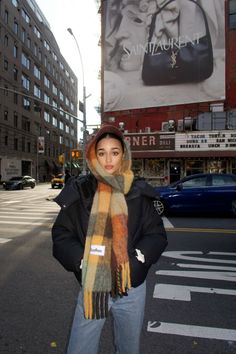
x,y
151,141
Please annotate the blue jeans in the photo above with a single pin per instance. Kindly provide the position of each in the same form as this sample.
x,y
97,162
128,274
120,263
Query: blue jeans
x,y
127,312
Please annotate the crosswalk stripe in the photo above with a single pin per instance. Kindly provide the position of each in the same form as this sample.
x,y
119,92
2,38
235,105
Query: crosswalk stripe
x,y
5,240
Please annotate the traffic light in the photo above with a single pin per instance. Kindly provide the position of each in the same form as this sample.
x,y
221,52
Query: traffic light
x,y
75,154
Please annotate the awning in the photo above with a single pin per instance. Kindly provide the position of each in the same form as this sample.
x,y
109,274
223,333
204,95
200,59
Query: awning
x,y
72,165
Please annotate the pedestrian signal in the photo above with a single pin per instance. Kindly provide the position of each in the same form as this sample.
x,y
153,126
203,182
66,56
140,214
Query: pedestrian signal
x,y
75,153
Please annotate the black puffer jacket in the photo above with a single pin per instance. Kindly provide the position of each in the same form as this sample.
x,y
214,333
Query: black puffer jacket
x,y
145,227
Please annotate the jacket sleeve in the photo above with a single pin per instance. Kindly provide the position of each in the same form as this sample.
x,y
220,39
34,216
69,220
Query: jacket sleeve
x,y
67,246
153,239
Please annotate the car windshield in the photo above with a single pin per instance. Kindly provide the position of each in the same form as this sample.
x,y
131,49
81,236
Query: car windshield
x,y
15,178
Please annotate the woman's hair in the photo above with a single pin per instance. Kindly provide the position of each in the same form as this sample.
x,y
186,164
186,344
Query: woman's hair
x,y
110,135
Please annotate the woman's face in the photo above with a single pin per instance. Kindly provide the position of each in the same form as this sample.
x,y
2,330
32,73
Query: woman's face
x,y
110,154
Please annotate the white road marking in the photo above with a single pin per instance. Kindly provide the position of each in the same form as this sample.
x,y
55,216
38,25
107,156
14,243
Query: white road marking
x,y
185,255
167,223
183,292
192,331
5,240
25,223
225,276
26,217
204,266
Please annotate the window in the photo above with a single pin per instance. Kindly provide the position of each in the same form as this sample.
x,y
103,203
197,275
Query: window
x,y
15,98
46,116
15,51
232,13
23,35
6,41
26,103
25,82
15,73
28,147
194,166
5,115
6,140
54,103
54,89
28,42
35,49
61,139
25,60
61,96
61,125
46,81
15,27
37,72
37,32
15,3
5,64
25,16
54,56
6,16
54,121
195,182
15,118
25,124
46,98
67,101
37,91
46,45
67,129
40,55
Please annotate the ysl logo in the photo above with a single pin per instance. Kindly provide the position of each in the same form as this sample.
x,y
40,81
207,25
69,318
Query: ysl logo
x,y
173,59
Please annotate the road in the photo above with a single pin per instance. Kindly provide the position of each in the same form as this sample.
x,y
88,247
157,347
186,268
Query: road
x,y
191,299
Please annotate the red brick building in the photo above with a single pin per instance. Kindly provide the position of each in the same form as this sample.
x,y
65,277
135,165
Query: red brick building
x,y
170,141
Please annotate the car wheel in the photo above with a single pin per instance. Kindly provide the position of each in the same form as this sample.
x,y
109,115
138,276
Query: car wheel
x,y
159,206
234,207
32,186
20,186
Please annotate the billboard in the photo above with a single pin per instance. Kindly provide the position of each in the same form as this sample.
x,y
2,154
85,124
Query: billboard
x,y
161,53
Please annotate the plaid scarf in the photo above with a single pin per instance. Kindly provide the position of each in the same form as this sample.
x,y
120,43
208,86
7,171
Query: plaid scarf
x,y
105,269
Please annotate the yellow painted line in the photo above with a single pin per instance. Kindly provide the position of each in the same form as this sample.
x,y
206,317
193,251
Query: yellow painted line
x,y
189,229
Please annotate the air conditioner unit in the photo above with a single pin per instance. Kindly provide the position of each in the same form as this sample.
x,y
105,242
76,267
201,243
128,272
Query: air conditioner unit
x,y
165,126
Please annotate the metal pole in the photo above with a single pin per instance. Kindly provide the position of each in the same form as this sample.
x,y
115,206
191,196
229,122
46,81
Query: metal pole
x,y
84,171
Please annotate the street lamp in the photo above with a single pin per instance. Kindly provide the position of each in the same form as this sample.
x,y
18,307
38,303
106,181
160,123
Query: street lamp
x,y
84,104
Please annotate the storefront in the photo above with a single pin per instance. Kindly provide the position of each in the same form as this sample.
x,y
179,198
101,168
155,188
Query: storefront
x,y
164,158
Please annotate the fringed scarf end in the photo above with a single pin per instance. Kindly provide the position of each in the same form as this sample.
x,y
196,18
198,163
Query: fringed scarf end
x,y
95,304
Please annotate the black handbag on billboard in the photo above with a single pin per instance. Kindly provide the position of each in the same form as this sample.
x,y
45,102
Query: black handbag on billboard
x,y
191,62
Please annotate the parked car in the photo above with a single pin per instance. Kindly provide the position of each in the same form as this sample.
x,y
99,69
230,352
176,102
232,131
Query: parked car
x,y
58,181
200,193
19,182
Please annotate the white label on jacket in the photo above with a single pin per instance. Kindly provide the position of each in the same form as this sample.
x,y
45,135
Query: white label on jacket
x,y
98,250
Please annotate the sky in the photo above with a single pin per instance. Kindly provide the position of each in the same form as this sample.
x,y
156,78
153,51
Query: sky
x,y
83,18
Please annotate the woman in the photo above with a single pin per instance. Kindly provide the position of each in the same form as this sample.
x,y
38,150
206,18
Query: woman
x,y
109,234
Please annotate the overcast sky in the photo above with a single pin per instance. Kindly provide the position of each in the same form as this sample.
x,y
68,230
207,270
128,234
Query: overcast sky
x,y
82,17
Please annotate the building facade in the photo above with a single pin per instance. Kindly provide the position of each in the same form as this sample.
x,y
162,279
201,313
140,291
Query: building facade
x,y
173,129
38,95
